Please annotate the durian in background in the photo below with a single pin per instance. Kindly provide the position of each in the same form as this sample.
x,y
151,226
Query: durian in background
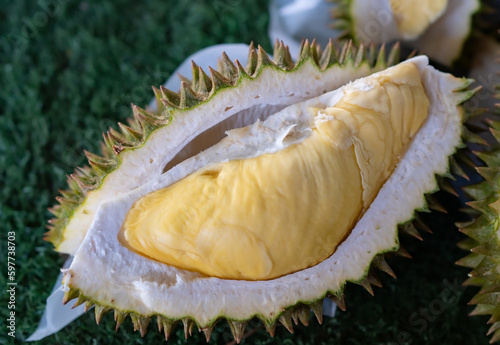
x,y
448,31
325,160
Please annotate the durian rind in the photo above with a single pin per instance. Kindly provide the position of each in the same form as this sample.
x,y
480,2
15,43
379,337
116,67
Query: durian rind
x,y
484,242
125,165
376,233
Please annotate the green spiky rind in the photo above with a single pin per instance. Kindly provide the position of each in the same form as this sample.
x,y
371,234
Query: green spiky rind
x,y
301,309
483,242
201,89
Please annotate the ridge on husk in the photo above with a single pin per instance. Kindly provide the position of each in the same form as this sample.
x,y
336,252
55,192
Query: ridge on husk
x,y
287,299
77,205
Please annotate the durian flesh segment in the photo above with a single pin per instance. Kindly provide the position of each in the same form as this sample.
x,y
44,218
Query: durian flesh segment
x,y
277,213
414,16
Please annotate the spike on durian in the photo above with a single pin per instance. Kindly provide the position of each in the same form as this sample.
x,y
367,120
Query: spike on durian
x,y
381,60
208,331
263,59
100,164
167,325
360,56
380,263
282,57
252,61
188,98
188,326
88,304
148,121
140,322
169,98
242,72
100,310
403,253
394,54
218,80
366,285
302,314
70,294
205,85
315,51
303,49
338,299
410,230
373,278
329,56
237,329
317,309
80,300
119,316
286,320
228,68
345,56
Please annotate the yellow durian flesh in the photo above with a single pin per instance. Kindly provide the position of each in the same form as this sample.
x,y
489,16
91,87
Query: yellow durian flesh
x,y
413,17
277,213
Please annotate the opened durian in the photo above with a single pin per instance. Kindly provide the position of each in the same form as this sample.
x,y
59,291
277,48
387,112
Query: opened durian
x,y
322,160
437,28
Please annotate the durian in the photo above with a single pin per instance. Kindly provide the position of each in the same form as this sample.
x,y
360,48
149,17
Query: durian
x,y
483,231
437,28
322,160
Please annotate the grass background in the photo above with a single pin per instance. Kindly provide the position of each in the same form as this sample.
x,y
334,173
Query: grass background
x,y
69,70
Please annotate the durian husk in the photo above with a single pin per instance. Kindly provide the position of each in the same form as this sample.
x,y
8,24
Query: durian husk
x,y
299,312
483,231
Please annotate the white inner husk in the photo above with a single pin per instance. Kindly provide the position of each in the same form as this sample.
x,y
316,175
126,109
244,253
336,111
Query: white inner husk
x,y
113,275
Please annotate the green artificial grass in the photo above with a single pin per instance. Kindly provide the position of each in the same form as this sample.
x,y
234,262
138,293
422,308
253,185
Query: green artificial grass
x,y
69,70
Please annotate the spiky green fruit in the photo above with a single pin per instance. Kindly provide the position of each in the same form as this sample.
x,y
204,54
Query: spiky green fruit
x,y
483,232
138,286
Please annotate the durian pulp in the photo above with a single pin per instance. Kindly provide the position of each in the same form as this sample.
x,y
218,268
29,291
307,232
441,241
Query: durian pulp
x,y
277,213
414,16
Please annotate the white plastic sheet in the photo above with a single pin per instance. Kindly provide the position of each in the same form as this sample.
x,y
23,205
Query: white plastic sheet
x,y
56,315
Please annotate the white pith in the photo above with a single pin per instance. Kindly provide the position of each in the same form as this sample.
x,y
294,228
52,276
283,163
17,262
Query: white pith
x,y
135,283
276,88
